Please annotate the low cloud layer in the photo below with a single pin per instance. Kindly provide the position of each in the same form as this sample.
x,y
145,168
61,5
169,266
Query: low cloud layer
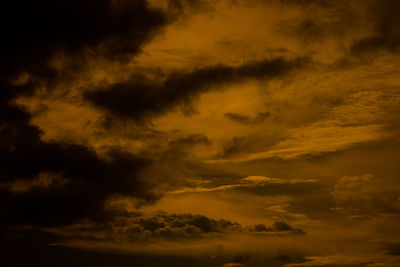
x,y
132,227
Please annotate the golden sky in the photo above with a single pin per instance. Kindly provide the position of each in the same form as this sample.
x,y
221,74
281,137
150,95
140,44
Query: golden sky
x,y
200,132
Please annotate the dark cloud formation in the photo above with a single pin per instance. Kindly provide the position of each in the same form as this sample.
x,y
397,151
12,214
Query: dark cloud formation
x,y
135,227
32,34
279,226
89,182
33,31
386,35
261,116
137,100
89,179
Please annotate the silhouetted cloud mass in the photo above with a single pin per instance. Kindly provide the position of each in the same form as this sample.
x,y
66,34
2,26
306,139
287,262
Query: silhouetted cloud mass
x,y
32,34
134,227
137,100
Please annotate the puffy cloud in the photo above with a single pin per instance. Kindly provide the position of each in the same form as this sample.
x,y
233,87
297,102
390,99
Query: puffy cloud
x,y
134,227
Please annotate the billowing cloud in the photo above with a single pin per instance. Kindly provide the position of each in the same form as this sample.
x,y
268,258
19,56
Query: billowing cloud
x,y
133,227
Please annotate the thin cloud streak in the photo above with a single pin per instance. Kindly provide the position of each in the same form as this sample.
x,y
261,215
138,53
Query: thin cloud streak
x,y
250,181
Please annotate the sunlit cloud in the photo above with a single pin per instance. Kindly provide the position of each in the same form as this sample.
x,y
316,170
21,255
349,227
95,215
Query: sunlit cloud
x,y
250,181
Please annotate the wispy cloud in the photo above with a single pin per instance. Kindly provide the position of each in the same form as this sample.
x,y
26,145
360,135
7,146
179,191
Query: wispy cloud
x,y
250,181
360,119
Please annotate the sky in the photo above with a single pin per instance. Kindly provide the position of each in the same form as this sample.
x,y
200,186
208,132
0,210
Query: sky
x,y
223,133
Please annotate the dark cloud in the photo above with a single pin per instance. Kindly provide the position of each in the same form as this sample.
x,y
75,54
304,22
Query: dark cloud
x,y
386,35
279,226
261,116
33,31
32,35
136,227
89,182
137,100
